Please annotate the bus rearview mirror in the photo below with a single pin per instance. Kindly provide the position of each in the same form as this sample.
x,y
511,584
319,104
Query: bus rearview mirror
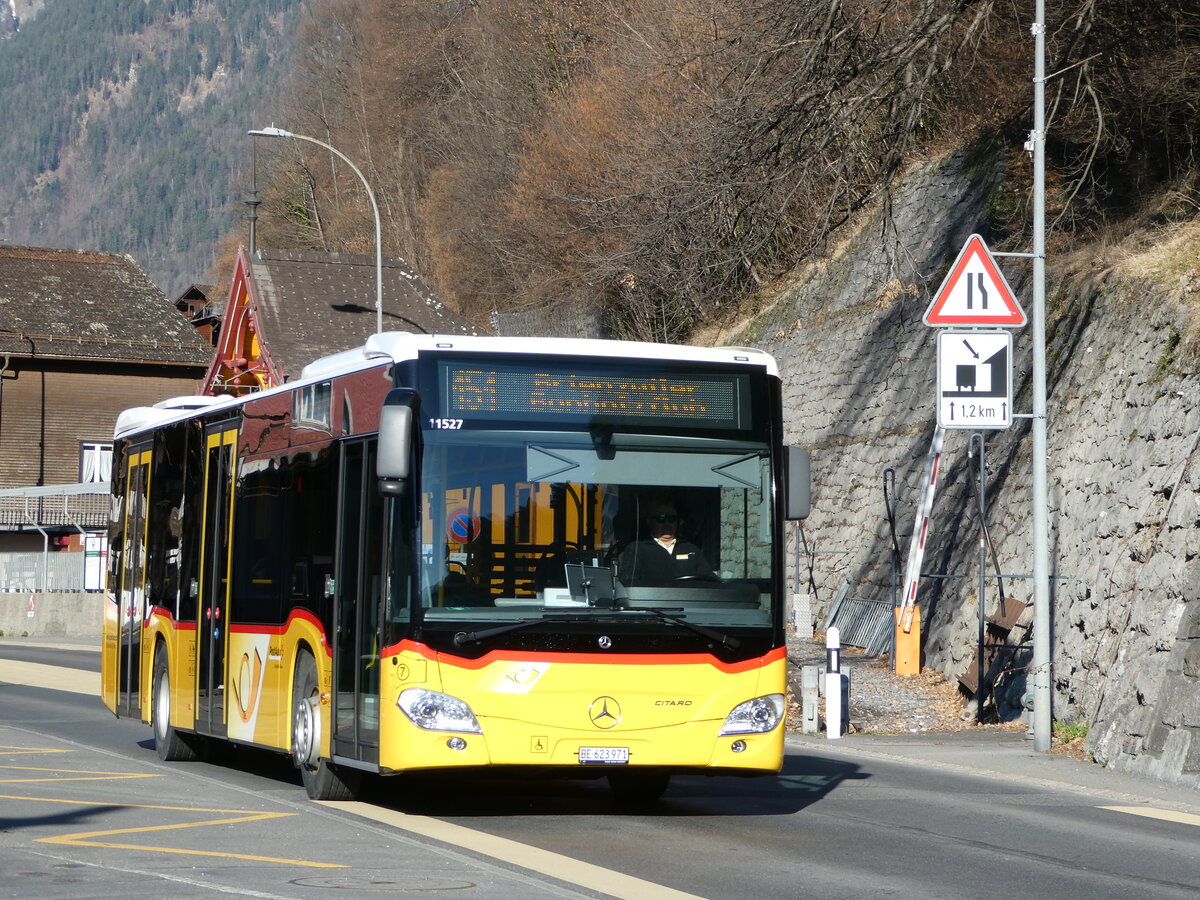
x,y
798,482
395,440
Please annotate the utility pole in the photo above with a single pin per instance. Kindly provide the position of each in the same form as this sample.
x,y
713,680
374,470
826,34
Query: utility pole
x,y
1042,619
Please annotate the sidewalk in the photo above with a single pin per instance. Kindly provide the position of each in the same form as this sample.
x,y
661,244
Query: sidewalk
x,y
58,642
925,720
1006,755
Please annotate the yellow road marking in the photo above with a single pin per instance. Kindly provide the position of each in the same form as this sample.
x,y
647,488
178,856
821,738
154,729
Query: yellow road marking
x,y
84,838
1150,812
56,678
564,868
60,774
72,775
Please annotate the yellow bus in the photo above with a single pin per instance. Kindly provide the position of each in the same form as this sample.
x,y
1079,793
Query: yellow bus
x,y
444,552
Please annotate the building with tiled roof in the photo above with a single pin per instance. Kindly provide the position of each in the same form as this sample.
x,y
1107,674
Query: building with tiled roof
x,y
80,305
200,306
83,336
287,308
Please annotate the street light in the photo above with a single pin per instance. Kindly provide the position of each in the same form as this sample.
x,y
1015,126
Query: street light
x,y
272,131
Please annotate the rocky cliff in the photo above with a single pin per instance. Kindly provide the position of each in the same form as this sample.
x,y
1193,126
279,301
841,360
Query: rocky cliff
x,y
1123,426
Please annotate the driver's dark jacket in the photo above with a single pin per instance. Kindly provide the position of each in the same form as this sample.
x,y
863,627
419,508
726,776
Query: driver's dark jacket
x,y
648,563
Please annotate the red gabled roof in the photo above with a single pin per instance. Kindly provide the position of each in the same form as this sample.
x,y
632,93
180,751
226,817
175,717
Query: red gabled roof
x,y
288,308
242,363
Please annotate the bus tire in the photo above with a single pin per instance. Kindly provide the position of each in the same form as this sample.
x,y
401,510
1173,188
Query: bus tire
x,y
322,780
638,787
170,744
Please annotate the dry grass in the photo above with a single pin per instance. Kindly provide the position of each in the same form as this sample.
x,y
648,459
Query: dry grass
x,y
1165,255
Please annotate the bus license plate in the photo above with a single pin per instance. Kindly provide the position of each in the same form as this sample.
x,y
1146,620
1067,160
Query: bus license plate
x,y
605,755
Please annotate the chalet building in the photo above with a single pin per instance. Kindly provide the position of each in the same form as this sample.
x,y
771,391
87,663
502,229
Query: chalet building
x,y
200,306
83,336
288,308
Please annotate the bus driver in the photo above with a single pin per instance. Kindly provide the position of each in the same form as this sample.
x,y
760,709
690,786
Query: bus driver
x,y
664,557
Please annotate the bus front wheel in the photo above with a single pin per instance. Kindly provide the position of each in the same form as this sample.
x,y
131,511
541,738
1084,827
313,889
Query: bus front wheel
x,y
170,744
322,781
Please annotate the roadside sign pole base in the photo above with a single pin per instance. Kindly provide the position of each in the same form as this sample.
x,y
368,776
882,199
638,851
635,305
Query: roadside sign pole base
x,y
908,641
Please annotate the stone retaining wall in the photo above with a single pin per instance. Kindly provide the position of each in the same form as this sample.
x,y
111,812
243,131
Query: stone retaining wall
x,y
1124,422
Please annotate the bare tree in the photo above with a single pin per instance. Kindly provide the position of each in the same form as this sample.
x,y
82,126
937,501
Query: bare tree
x,y
661,160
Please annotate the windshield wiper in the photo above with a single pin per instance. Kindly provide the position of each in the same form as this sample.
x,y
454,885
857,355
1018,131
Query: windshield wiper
x,y
725,640
474,637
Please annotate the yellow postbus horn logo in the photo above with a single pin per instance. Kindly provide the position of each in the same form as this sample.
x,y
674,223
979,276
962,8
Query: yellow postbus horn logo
x,y
245,688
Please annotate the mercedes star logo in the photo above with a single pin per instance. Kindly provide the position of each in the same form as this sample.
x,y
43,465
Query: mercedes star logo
x,y
605,712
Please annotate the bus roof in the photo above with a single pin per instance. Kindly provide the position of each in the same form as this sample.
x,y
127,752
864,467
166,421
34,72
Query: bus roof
x,y
399,346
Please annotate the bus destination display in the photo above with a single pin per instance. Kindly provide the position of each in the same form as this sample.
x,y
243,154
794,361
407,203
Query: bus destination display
x,y
470,391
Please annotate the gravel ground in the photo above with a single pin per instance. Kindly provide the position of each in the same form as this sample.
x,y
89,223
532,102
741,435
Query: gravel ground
x,y
880,700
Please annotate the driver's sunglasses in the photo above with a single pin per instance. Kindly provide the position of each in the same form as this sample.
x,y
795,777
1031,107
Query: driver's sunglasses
x,y
664,517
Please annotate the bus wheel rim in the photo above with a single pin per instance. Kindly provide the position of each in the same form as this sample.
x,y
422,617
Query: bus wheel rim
x,y
306,737
162,706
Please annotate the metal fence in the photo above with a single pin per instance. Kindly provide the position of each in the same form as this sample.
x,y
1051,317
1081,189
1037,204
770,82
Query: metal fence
x,y
83,507
61,571
862,621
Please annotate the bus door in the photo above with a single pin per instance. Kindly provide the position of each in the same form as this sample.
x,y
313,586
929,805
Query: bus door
x,y
359,593
213,616
131,597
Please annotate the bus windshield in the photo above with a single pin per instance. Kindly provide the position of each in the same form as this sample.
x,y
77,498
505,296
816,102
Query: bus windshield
x,y
518,524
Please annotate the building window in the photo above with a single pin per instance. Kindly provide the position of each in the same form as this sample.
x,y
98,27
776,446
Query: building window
x,y
95,462
312,406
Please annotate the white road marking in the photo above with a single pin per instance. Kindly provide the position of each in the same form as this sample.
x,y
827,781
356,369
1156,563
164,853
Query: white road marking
x,y
555,865
1167,815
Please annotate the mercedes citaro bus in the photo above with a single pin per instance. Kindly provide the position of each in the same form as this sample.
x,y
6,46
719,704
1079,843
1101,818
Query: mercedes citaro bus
x,y
426,554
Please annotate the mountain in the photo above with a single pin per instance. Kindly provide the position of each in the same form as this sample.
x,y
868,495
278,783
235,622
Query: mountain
x,y
125,124
663,163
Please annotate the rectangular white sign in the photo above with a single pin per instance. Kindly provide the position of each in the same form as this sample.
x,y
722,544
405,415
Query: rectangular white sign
x,y
974,381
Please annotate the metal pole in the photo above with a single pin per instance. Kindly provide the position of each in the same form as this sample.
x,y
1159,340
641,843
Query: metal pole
x,y
1041,570
272,131
978,439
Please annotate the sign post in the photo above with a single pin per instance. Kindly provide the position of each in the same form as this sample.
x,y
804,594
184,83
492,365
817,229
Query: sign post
x,y
974,385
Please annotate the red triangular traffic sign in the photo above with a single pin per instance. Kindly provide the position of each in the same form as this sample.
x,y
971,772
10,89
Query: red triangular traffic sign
x,y
974,292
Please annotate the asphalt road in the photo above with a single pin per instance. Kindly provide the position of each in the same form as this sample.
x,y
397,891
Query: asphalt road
x,y
87,810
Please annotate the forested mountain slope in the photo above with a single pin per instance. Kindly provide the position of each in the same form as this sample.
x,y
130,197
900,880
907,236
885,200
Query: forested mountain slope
x,y
124,125
665,161
662,161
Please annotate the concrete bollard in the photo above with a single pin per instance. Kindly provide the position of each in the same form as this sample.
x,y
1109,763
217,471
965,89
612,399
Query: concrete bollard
x,y
810,693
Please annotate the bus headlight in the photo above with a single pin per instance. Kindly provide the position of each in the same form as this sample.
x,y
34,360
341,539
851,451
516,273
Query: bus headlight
x,y
437,712
755,716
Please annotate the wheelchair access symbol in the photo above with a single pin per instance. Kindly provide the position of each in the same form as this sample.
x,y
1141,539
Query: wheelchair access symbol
x,y
974,379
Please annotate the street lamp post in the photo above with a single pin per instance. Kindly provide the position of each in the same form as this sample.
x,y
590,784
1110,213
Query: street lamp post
x,y
272,131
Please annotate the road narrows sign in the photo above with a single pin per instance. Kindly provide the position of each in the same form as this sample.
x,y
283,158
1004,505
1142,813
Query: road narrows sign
x,y
974,292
